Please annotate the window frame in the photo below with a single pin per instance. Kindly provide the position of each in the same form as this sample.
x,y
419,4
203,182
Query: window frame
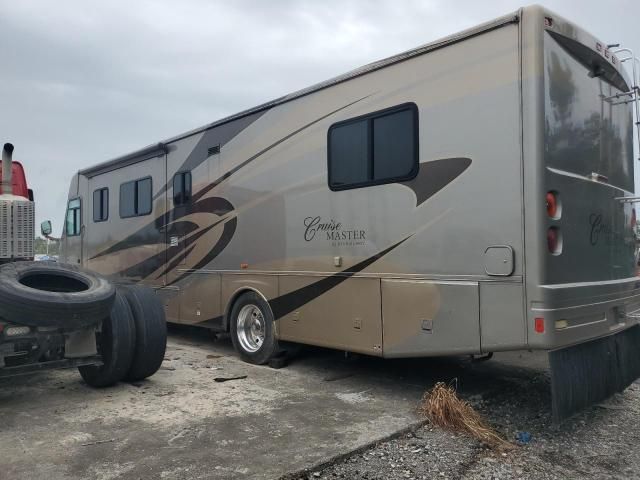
x,y
136,214
183,174
66,218
102,205
369,118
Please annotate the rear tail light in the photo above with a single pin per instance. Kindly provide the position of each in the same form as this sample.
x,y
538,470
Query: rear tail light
x,y
553,205
539,325
554,241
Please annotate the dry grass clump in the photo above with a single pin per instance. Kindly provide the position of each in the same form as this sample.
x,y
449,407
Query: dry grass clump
x,y
442,407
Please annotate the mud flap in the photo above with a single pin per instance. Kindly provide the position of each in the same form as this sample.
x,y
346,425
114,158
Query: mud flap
x,y
590,372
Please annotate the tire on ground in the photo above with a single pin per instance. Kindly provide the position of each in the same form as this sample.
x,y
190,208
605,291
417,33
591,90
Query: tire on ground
x,y
116,343
43,294
252,329
151,331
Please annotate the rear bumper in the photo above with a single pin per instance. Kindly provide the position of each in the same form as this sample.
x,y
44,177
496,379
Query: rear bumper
x,y
577,313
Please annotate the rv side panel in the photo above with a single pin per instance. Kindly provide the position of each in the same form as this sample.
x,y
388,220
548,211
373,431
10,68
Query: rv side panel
x,y
130,244
263,216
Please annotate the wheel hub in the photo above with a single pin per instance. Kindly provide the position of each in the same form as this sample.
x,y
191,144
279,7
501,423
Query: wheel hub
x,y
251,328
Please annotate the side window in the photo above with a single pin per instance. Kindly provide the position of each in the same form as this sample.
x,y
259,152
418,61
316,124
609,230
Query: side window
x,y
181,188
377,148
72,223
128,200
101,205
143,194
135,198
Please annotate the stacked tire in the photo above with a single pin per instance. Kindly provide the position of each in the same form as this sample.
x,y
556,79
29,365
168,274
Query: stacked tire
x,y
132,340
132,336
43,294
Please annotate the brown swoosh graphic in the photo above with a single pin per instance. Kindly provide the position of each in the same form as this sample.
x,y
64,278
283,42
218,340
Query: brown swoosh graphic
x,y
266,149
146,234
287,303
291,301
433,176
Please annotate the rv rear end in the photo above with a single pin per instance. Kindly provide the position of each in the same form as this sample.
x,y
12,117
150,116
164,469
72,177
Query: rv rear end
x,y
581,284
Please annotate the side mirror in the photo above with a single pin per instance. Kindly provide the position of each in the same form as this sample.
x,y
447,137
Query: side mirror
x,y
45,228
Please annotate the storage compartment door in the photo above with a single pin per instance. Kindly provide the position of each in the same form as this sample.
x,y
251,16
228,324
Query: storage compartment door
x,y
426,318
346,316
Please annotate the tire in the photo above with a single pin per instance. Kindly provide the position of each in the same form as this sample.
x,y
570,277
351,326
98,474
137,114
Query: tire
x,y
151,332
254,345
116,344
43,294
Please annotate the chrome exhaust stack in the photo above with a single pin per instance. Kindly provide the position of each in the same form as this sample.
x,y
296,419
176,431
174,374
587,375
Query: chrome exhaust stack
x,y
7,164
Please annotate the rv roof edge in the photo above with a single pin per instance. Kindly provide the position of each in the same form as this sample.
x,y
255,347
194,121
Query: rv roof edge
x,y
371,67
128,159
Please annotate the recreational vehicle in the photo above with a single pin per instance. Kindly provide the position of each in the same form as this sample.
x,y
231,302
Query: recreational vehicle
x,y
473,195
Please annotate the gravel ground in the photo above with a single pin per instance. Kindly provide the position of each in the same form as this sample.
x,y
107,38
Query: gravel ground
x,y
601,442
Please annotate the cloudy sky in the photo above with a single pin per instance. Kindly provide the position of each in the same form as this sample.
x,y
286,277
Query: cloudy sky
x,y
83,81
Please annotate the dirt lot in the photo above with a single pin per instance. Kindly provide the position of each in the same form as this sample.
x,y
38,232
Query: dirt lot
x,y
302,421
602,442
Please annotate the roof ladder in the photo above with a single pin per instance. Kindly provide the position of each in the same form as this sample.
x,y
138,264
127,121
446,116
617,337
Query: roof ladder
x,y
634,93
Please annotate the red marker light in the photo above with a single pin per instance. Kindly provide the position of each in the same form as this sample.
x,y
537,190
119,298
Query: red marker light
x,y
554,241
552,205
539,325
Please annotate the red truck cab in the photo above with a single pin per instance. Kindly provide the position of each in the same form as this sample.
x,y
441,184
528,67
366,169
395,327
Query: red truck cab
x,y
19,181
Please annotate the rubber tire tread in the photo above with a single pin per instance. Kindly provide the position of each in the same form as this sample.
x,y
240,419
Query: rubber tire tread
x,y
270,347
151,331
23,305
116,345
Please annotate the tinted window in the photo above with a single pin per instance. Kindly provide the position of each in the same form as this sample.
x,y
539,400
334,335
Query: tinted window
x,y
181,188
393,145
144,197
350,153
135,198
378,148
128,199
72,223
101,205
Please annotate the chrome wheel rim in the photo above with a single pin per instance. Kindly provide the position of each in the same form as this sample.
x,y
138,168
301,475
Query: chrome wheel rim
x,y
251,328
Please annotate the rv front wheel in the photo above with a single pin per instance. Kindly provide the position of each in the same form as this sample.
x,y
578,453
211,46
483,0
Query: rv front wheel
x,y
252,329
